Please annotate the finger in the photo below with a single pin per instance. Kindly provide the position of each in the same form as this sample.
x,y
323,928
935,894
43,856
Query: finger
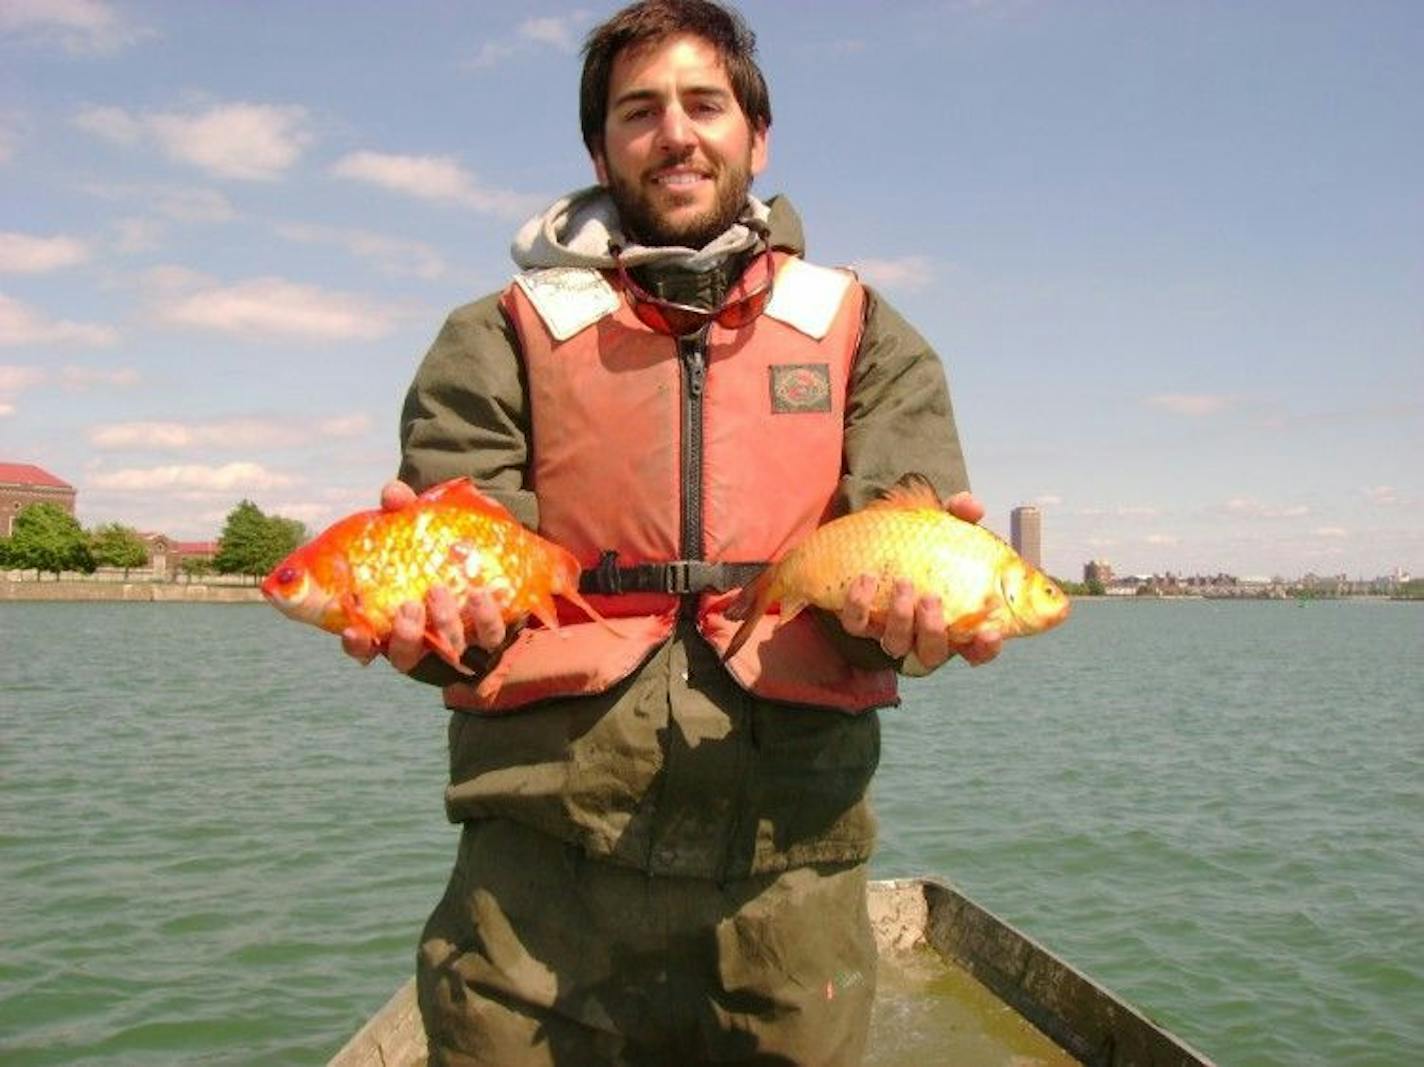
x,y
407,644
899,633
931,638
442,616
966,506
984,647
487,627
396,495
855,613
358,645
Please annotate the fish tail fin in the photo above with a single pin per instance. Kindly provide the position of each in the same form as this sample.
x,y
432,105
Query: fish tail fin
x,y
566,584
751,604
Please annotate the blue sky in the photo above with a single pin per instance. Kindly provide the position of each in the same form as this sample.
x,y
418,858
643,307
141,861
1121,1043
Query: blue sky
x,y
1171,253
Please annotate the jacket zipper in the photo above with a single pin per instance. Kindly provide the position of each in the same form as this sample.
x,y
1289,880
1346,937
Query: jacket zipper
x,y
692,350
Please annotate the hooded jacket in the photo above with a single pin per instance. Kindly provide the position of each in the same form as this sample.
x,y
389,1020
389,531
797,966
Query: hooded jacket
x,y
675,770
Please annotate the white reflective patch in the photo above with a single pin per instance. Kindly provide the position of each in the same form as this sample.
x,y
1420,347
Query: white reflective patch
x,y
474,563
568,299
807,297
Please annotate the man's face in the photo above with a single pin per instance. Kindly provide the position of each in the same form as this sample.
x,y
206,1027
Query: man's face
x,y
678,153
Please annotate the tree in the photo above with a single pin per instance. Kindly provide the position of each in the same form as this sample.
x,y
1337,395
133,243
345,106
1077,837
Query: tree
x,y
196,566
116,545
253,543
47,538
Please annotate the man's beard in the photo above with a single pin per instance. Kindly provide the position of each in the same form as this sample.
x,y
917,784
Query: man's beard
x,y
642,222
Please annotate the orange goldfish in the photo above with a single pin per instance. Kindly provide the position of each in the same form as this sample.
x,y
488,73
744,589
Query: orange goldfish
x,y
908,534
360,570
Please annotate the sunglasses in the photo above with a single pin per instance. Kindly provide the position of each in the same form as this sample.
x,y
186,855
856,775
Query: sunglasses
x,y
679,320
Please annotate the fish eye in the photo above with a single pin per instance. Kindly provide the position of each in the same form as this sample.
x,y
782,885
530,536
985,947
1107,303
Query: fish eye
x,y
287,575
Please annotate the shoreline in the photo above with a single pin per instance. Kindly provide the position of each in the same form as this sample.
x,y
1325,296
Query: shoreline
x,y
128,592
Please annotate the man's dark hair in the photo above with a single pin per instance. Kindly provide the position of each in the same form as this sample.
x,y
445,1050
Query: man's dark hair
x,y
652,21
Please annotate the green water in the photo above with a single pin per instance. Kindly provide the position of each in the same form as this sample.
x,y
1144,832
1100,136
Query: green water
x,y
219,838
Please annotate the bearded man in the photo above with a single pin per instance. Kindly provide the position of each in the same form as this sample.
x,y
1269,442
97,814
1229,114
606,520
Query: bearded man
x,y
663,857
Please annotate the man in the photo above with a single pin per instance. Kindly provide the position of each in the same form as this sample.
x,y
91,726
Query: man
x,y
663,857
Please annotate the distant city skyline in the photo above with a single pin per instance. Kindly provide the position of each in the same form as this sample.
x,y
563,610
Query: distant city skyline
x,y
1168,253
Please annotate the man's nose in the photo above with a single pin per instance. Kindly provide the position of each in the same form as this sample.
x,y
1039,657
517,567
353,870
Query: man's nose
x,y
676,130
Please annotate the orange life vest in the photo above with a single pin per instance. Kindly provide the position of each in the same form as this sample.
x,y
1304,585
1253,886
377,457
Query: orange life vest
x,y
623,460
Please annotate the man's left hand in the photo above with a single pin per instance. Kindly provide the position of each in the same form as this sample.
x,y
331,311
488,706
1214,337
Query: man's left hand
x,y
916,623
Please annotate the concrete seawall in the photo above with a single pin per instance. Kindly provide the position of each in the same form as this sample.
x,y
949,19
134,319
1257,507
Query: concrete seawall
x,y
136,592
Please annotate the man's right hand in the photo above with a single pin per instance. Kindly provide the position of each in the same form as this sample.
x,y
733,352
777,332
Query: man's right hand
x,y
440,611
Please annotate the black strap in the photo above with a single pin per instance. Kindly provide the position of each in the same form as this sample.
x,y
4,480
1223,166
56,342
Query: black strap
x,y
677,576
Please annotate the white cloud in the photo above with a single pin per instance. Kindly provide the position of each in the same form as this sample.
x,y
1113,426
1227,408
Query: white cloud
x,y
909,273
345,425
23,253
239,433
1193,405
229,477
491,54
16,377
180,203
188,204
1247,508
1383,495
23,325
277,307
111,123
393,255
438,178
555,31
560,32
137,235
77,378
169,279
80,27
1332,532
252,142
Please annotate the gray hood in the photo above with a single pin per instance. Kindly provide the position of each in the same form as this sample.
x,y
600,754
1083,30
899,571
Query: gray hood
x,y
575,231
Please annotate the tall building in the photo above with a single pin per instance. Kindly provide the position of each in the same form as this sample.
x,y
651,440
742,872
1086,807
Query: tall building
x,y
1026,533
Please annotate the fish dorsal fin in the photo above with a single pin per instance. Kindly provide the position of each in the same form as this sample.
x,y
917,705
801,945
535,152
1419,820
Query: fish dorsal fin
x,y
462,493
913,492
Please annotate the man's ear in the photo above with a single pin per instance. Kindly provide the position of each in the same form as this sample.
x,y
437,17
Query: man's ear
x,y
761,148
600,162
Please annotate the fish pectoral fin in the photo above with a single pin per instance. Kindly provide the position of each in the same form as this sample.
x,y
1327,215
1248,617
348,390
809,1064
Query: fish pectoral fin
x,y
791,606
961,630
357,618
442,648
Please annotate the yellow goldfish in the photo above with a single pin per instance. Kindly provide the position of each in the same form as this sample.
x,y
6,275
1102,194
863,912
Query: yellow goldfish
x,y
360,570
907,533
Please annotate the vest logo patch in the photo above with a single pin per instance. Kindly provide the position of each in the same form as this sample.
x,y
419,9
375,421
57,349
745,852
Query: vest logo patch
x,y
799,387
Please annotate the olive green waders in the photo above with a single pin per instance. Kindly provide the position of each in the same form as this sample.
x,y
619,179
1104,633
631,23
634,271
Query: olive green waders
x,y
538,954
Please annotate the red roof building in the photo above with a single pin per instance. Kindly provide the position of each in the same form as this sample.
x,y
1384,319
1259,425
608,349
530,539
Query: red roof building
x,y
167,556
23,484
